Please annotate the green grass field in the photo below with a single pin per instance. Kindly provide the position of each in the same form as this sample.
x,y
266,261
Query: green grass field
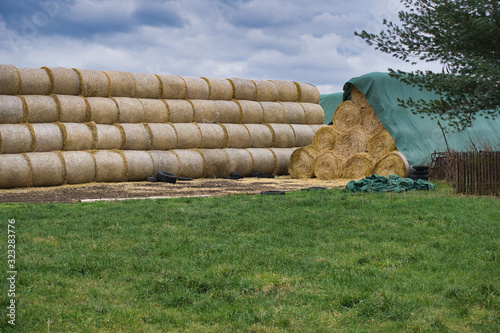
x,y
317,261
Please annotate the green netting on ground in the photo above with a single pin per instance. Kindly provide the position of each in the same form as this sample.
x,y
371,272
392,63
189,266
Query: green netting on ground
x,y
376,183
329,103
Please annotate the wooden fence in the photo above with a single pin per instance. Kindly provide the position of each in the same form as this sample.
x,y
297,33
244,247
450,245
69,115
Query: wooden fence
x,y
476,173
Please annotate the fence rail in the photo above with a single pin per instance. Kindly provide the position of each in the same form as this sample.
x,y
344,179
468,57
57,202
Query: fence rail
x,y
476,173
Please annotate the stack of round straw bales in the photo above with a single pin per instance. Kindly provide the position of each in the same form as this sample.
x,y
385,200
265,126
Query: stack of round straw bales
x,y
62,125
355,146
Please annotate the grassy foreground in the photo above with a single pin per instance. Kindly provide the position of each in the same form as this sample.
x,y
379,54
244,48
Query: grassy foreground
x,y
307,261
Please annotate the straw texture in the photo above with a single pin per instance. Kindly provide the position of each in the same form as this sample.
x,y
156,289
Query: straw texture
x,y
302,162
130,110
212,136
197,88
228,112
328,166
155,111
251,112
103,110
304,135
172,86
181,111
244,89
357,166
165,161
351,142
263,159
273,113
64,81
240,160
147,85
294,113
11,110
346,115
93,83
204,111
41,109
72,109
282,156
46,169
314,113
9,80
77,136
190,163
261,136
393,163
139,165
216,163
287,90
188,135
380,144
238,136
325,138
266,91
308,93
34,81
283,135
163,136
219,89
108,137
15,138
136,137
122,84
110,166
79,167
48,137
14,171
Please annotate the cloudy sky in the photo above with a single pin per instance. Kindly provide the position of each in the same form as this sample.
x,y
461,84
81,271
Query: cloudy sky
x,y
307,41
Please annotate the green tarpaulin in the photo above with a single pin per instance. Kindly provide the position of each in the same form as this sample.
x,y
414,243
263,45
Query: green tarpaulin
x,y
329,103
376,183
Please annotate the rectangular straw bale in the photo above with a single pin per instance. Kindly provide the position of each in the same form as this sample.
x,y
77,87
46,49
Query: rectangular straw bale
x,y
172,86
139,165
65,81
147,85
261,135
48,137
212,136
282,159
216,163
80,167
103,110
165,161
205,111
294,113
130,110
228,112
263,160
136,137
121,84
181,111
314,113
9,80
77,136
188,135
15,138
240,160
163,136
109,137
273,113
191,163
266,91
244,89
237,135
251,112
72,109
304,134
46,169
197,88
34,81
287,90
14,171
308,93
219,89
11,110
155,110
283,134
41,109
93,83
110,166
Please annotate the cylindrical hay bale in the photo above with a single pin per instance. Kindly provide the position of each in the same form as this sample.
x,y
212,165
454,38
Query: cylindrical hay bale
x,y
325,138
48,137
139,165
204,111
77,136
283,156
146,85
136,137
34,81
11,110
212,136
155,111
287,90
219,89
163,136
110,166
80,167
172,86
122,84
380,145
64,81
283,134
216,163
228,112
346,115
304,135
244,89
308,93
261,136
108,137
393,163
73,109
103,110
93,83
15,138
46,169
188,135
240,160
237,135
165,161
181,111
197,88
266,91
273,113
302,162
130,110
314,113
328,166
370,121
357,166
251,112
191,163
351,142
294,113
358,98
263,159
9,80
41,109
14,171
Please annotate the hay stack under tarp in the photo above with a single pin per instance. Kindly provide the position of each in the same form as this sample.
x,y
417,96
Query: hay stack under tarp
x,y
216,163
48,137
93,83
64,81
191,163
46,169
357,166
79,167
244,89
78,136
130,110
180,111
264,160
380,144
251,112
188,135
393,163
9,80
72,109
146,85
139,165
121,84
172,86
302,162
163,136
346,115
110,166
155,111
12,110
14,171
34,81
165,161
327,165
16,138
325,139
219,89
41,109
227,112
103,110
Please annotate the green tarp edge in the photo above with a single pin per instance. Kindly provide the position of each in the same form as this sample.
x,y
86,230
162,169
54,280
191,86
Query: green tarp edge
x,y
329,103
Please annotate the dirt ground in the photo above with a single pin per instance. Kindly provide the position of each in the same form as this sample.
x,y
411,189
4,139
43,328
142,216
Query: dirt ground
x,y
140,190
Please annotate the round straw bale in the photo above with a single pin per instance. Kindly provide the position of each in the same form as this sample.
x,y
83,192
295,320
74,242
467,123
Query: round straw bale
x,y
80,167
139,165
163,136
103,110
146,85
283,134
287,90
93,83
273,113
34,81
48,137
370,121
165,161
325,138
237,135
244,89
294,113
346,115
357,166
261,136
16,138
228,112
266,91
172,86
136,137
181,111
283,156
109,137
188,135
191,163
314,113
302,162
264,160
41,109
122,84
219,89
351,142
130,110
327,166
155,110
358,97
393,163
11,110
197,88
77,136
65,81
204,111
251,112
308,93
380,144
110,166
46,169
240,160
9,80
216,163
14,171
304,135
212,136
73,109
